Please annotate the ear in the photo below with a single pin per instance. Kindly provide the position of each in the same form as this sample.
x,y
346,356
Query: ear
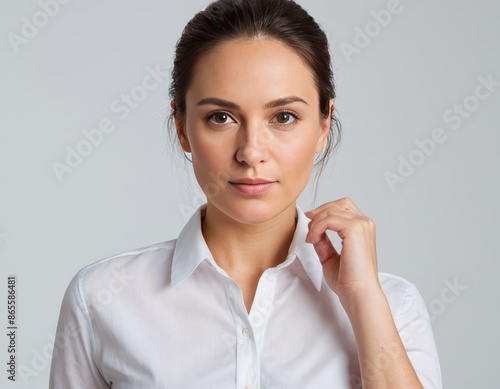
x,y
180,128
325,128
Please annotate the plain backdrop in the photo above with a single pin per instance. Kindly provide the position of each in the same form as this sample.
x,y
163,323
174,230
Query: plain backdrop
x,y
398,80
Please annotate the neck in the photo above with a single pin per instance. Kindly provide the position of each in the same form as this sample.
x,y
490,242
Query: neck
x,y
247,250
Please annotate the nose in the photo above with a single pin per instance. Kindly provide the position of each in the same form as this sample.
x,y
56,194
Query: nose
x,y
253,145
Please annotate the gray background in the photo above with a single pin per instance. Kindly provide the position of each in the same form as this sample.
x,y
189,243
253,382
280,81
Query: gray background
x,y
436,228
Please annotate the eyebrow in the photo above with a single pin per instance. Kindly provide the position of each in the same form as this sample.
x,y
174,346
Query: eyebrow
x,y
271,104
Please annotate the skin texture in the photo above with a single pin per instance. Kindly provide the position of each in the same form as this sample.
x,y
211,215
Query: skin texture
x,y
246,136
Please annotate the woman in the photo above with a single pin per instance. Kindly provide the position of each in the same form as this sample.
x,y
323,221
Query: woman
x,y
252,294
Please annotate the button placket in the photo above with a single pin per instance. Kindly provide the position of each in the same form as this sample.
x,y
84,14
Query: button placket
x,y
250,328
262,306
247,358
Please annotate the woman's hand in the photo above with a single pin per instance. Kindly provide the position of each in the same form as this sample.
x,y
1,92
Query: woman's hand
x,y
354,271
353,276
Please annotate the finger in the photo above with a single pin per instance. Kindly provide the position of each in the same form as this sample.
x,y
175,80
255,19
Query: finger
x,y
325,250
337,222
349,205
344,203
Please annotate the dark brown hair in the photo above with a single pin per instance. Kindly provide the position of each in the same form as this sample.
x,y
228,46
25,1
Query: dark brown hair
x,y
283,20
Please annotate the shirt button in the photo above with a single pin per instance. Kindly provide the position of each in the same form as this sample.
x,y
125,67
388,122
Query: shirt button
x,y
265,303
245,332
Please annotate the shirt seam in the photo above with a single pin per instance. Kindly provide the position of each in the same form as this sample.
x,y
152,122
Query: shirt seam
x,y
128,253
87,317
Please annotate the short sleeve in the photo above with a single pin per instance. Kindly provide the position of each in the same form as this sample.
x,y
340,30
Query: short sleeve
x,y
414,326
73,361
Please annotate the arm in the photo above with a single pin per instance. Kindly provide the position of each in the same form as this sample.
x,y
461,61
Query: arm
x,y
383,360
73,363
353,275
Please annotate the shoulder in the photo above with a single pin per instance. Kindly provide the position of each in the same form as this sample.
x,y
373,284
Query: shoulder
x,y
111,274
414,326
401,294
394,284
138,259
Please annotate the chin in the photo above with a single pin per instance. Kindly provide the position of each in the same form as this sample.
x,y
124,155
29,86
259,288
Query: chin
x,y
251,211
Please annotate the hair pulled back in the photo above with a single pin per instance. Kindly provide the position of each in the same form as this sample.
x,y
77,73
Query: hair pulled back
x,y
283,20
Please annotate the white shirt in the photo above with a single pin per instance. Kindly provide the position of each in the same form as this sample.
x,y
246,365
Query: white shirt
x,y
167,316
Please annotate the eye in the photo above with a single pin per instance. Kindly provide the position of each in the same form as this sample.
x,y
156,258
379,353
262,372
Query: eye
x,y
219,118
285,118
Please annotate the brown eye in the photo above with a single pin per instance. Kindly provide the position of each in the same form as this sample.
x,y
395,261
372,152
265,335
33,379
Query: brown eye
x,y
285,118
220,118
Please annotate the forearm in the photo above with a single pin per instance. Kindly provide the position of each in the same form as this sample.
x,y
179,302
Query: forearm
x,y
383,360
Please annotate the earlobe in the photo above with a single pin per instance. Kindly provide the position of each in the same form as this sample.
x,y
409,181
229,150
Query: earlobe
x,y
180,128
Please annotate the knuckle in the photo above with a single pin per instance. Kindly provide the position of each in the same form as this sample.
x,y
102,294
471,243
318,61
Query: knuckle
x,y
368,223
364,223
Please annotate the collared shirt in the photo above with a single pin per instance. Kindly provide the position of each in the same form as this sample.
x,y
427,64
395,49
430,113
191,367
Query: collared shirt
x,y
167,316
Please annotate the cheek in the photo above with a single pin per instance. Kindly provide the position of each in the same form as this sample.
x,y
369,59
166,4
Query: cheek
x,y
203,149
203,157
298,154
210,159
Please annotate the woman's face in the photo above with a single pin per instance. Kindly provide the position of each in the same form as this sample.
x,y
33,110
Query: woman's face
x,y
252,115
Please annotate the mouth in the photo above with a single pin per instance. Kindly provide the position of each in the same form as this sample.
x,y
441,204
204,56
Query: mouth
x,y
252,186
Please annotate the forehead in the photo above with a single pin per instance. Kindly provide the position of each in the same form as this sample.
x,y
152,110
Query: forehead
x,y
252,69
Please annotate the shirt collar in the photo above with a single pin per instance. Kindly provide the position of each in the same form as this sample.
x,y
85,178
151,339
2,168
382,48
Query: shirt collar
x,y
305,252
191,249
